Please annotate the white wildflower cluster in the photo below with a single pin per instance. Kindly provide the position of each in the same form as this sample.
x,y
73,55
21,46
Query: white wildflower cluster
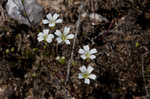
x,y
62,37
87,54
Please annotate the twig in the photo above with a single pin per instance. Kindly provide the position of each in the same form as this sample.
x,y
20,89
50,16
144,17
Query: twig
x,y
25,13
147,94
112,22
73,47
93,10
2,13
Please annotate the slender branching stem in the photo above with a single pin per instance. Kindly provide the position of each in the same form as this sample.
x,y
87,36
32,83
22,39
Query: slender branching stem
x,y
73,47
147,94
25,12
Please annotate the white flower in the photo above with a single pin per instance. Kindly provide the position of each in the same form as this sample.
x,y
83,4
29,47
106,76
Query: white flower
x,y
65,36
45,36
86,53
86,74
52,20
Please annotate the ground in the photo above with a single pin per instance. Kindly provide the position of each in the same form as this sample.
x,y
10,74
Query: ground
x,y
29,69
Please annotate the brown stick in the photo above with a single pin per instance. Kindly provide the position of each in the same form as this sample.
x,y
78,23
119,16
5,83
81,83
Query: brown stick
x,y
72,52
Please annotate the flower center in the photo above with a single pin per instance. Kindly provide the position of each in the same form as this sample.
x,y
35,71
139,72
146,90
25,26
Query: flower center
x,y
52,22
63,37
45,37
85,75
87,55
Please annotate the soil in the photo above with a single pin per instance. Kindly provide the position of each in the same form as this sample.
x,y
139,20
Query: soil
x,y
29,69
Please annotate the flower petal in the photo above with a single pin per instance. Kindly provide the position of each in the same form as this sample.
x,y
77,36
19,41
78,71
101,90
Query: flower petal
x,y
93,51
87,81
67,42
40,39
45,21
46,31
81,51
82,69
59,40
49,40
83,57
86,48
55,16
58,33
49,16
51,36
59,21
52,25
70,36
92,57
66,30
90,69
40,34
92,76
80,76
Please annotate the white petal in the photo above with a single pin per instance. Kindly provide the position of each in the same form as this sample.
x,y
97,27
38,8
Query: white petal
x,y
87,81
82,69
59,40
67,42
45,31
45,21
40,34
90,69
93,51
59,21
70,36
49,40
86,48
81,51
40,38
58,33
55,16
52,25
92,57
80,76
83,57
66,30
58,57
51,36
49,16
92,76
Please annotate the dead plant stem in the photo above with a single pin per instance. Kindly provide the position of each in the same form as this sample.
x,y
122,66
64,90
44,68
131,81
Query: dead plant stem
x,y
147,94
73,47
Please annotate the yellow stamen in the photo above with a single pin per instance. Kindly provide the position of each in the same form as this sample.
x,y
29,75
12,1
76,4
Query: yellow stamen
x,y
63,37
87,55
45,37
85,75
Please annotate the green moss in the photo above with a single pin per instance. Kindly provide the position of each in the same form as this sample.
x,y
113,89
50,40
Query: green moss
x,y
137,44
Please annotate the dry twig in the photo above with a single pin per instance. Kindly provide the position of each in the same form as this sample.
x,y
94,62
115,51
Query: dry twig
x,y
73,47
147,94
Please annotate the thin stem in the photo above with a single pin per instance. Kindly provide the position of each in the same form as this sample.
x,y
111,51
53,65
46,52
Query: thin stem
x,y
147,94
25,12
72,52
